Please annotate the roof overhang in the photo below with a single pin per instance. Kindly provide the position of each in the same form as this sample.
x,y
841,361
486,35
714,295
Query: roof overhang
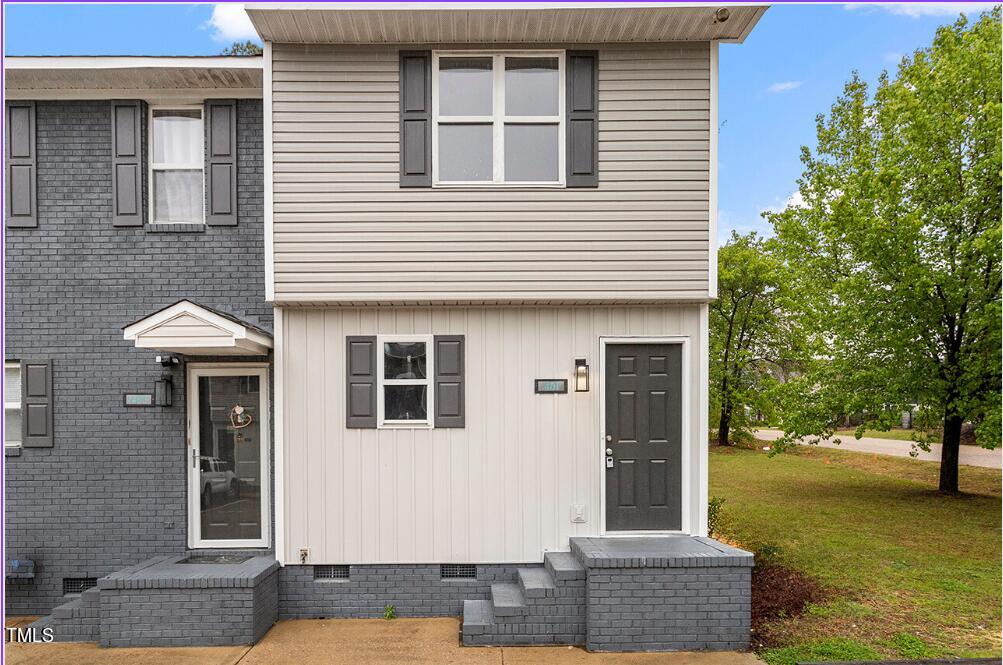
x,y
191,329
130,77
500,22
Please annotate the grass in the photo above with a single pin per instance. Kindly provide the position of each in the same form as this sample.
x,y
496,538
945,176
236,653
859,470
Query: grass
x,y
896,434
910,571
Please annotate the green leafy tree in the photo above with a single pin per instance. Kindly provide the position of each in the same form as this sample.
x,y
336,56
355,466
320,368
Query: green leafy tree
x,y
895,253
242,48
745,344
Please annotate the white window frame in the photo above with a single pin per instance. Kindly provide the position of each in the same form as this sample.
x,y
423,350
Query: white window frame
x,y
429,422
168,166
498,119
10,406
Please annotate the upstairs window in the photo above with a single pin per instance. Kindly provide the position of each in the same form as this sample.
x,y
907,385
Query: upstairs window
x,y
498,118
176,166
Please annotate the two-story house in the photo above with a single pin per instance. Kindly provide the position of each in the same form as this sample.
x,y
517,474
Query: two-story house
x,y
489,247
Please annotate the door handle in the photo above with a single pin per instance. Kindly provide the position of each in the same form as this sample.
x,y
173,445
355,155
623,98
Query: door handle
x,y
609,451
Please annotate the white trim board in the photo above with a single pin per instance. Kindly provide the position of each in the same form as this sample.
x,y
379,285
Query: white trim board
x,y
181,95
132,62
684,462
269,195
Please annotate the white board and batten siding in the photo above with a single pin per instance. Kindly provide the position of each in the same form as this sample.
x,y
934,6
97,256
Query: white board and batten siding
x,y
502,488
344,232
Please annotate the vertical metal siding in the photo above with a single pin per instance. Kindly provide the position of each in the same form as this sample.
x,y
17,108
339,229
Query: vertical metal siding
x,y
499,489
345,232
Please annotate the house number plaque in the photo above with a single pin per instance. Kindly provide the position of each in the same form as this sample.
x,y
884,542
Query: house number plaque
x,y
550,386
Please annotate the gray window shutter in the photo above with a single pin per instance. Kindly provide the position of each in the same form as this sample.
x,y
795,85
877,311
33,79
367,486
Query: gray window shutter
x,y
360,366
127,163
22,206
36,403
582,109
221,162
416,119
449,391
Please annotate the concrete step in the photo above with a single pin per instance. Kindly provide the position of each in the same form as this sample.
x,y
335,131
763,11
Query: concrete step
x,y
563,566
478,617
536,583
507,600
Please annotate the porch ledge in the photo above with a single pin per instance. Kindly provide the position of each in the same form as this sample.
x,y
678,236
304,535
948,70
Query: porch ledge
x,y
658,552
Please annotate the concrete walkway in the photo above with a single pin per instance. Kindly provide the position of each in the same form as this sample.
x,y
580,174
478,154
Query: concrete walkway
x,y
969,455
356,641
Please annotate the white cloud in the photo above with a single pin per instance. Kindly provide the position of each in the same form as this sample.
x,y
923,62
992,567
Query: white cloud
x,y
229,23
784,86
917,9
795,200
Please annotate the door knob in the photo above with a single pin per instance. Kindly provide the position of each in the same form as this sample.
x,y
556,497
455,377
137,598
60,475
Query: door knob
x,y
609,451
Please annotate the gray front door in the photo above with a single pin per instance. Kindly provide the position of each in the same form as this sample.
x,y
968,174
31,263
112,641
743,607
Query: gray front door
x,y
643,437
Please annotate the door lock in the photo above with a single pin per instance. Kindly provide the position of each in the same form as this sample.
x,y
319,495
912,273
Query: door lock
x,y
609,437
609,451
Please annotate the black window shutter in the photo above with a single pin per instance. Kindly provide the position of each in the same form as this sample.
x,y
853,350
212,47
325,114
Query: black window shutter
x,y
360,370
36,403
449,390
415,118
22,206
127,163
221,162
582,108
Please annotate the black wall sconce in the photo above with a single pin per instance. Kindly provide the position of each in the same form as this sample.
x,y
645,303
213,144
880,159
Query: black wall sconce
x,y
163,390
581,375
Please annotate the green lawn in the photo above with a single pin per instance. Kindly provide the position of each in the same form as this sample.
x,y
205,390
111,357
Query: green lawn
x,y
911,573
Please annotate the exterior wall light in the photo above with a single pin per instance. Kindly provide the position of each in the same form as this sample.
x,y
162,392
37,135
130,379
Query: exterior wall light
x,y
163,390
581,375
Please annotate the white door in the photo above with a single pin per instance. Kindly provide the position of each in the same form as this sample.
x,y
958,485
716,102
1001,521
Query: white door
x,y
227,456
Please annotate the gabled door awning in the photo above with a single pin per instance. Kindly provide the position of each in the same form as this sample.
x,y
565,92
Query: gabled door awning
x,y
195,330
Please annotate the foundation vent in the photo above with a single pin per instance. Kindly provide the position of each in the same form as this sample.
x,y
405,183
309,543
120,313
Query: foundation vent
x,y
458,571
78,584
330,572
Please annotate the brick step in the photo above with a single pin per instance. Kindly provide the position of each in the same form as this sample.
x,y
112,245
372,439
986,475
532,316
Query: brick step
x,y
536,583
482,628
91,598
563,566
507,600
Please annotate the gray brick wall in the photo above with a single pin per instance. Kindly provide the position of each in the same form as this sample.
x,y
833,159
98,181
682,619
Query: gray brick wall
x,y
668,609
111,491
414,590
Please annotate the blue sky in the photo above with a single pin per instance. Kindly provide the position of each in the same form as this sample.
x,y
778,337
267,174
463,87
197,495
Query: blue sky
x,y
791,68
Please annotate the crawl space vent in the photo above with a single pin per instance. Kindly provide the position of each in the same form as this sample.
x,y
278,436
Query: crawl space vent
x,y
458,571
78,584
330,572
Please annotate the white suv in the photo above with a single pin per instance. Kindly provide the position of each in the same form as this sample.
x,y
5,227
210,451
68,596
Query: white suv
x,y
218,479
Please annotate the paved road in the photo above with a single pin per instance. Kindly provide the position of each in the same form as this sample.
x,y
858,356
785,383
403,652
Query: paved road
x,y
970,455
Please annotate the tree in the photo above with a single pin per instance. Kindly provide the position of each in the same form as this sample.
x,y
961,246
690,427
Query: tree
x,y
242,48
744,322
895,253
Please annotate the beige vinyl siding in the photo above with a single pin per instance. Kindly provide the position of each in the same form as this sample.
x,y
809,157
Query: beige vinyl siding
x,y
500,489
345,233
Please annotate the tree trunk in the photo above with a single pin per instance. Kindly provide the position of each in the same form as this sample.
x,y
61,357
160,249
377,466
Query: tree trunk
x,y
949,453
724,427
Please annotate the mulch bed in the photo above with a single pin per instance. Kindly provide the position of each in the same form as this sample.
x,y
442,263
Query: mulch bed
x,y
779,593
